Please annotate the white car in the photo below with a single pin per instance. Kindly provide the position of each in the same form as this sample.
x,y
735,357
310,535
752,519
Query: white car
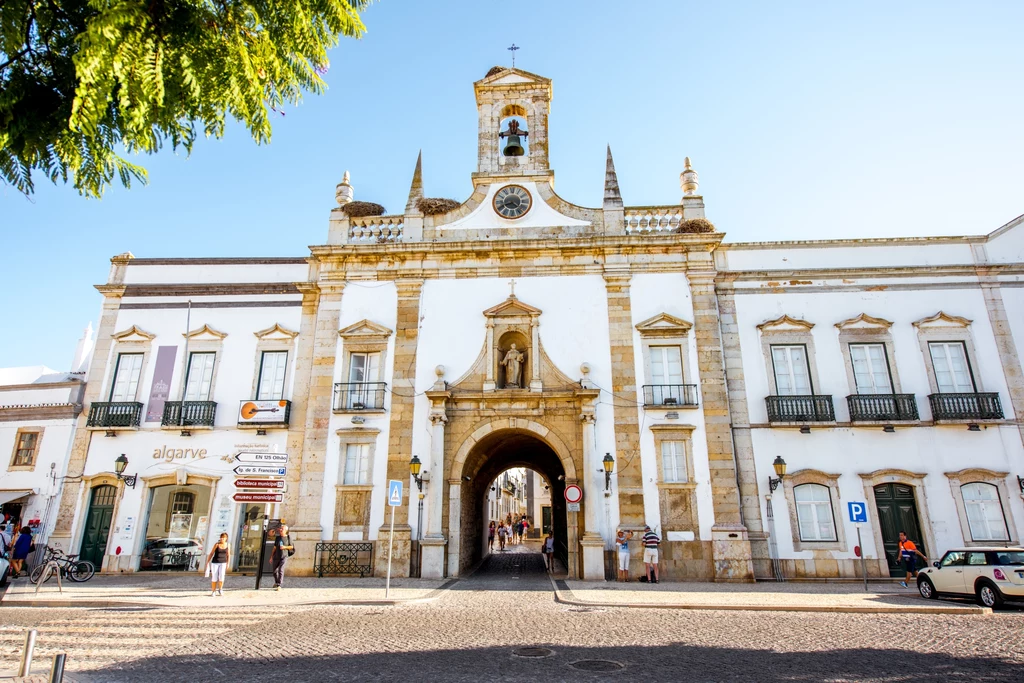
x,y
992,575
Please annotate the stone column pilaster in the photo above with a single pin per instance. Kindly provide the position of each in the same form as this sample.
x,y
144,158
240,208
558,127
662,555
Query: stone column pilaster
x,y
627,425
316,355
433,542
62,536
593,497
1008,358
730,544
403,393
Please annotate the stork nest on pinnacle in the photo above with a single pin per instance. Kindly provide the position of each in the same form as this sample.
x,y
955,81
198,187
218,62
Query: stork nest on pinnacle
x,y
696,225
362,209
432,206
496,70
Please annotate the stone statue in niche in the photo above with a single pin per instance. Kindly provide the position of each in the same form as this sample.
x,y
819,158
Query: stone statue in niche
x,y
513,362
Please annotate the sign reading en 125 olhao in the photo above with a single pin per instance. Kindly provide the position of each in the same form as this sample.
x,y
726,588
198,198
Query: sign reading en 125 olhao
x,y
279,458
257,497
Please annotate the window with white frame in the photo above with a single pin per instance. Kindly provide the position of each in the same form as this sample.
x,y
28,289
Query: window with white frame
x,y
199,379
126,377
666,365
984,512
363,367
792,377
952,371
363,371
673,462
871,369
814,512
273,365
357,463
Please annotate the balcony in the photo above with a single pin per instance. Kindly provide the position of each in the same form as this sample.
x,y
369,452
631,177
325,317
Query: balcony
x,y
189,414
122,415
257,414
882,407
810,408
973,406
670,395
358,396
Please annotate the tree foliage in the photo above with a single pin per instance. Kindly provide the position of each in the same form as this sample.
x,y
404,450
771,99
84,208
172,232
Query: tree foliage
x,y
81,80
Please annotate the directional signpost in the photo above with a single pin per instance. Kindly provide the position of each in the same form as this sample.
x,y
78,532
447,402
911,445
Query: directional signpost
x,y
259,484
859,515
257,497
260,471
394,501
262,458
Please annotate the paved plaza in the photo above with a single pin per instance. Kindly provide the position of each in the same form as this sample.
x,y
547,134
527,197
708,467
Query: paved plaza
x,y
506,623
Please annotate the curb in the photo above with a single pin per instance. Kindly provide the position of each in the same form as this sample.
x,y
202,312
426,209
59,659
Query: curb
x,y
564,595
109,604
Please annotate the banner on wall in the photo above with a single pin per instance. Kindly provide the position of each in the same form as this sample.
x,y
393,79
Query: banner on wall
x,y
161,389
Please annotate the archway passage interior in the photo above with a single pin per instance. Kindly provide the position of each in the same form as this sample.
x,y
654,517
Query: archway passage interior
x,y
491,456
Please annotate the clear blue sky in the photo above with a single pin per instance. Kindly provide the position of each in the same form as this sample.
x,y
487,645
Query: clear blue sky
x,y
804,120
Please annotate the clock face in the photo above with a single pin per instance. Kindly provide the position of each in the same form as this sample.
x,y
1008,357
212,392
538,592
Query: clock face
x,y
512,201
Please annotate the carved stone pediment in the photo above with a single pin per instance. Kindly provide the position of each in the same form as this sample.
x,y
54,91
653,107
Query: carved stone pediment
x,y
664,325
205,333
942,319
276,333
512,308
134,334
865,322
364,330
785,324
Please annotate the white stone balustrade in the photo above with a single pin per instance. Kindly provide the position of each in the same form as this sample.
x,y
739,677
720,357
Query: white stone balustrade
x,y
653,219
376,229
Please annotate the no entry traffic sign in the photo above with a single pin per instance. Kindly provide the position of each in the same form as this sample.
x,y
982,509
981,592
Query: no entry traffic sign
x,y
257,497
573,493
259,484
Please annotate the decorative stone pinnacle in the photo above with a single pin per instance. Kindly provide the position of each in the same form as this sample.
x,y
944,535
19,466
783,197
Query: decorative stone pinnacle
x,y
688,179
416,188
612,196
344,193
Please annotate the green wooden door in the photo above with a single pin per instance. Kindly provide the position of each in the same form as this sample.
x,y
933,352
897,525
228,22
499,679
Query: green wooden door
x,y
97,524
897,511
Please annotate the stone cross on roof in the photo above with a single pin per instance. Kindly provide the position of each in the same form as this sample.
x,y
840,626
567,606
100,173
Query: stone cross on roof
x,y
513,51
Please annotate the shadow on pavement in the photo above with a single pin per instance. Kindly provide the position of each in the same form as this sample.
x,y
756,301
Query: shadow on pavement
x,y
661,663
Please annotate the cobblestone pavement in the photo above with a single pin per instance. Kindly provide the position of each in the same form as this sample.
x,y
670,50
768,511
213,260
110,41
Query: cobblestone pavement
x,y
472,633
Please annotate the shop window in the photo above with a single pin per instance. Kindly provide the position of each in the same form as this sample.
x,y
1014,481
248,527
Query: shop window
x,y
26,447
179,518
984,512
814,513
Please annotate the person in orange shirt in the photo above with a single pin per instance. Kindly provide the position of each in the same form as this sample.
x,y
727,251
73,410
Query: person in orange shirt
x,y
909,554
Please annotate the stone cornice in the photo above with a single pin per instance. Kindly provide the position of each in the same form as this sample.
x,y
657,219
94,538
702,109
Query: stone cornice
x,y
208,289
46,385
783,277
47,411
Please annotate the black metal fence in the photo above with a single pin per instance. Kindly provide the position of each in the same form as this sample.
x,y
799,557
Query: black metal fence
x,y
119,414
359,395
810,408
189,413
882,407
670,395
335,559
974,406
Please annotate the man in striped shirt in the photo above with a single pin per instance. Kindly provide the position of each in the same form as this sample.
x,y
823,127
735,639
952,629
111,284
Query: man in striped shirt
x,y
651,542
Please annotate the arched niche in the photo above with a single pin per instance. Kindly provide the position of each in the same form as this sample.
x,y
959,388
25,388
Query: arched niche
x,y
517,113
522,343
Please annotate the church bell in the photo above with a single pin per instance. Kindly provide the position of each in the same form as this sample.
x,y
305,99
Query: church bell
x,y
514,147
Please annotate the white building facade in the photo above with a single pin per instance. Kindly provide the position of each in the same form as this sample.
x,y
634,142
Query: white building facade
x,y
518,330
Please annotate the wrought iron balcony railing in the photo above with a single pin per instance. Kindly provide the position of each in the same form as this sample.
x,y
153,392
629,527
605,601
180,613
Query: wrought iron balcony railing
x,y
809,408
359,395
189,413
257,413
882,407
117,414
668,395
973,406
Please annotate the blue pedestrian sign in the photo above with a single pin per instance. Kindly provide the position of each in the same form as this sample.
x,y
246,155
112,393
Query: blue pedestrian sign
x,y
858,512
395,493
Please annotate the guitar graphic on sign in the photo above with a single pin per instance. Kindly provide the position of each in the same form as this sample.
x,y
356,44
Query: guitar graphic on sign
x,y
250,409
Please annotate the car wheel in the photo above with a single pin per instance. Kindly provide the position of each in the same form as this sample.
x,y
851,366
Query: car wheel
x,y
988,595
926,588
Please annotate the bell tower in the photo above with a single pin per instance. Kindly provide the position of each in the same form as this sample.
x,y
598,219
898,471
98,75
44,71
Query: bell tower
x,y
513,107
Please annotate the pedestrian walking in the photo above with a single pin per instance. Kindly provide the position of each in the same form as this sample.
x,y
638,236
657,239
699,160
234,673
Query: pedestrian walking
x,y
490,536
217,565
651,542
549,552
908,555
283,549
23,545
502,535
519,531
622,545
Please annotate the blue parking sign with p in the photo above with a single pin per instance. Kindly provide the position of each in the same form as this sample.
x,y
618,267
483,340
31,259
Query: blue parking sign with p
x,y
395,493
858,512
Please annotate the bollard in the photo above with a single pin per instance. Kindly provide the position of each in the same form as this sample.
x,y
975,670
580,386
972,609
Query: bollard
x,y
57,670
26,653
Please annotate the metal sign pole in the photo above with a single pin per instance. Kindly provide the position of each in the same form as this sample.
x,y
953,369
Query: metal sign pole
x,y
263,553
863,562
391,543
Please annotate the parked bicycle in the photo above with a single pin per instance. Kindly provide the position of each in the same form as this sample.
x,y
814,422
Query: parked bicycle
x,y
70,567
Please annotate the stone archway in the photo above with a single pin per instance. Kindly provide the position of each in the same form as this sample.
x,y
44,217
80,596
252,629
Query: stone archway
x,y
491,449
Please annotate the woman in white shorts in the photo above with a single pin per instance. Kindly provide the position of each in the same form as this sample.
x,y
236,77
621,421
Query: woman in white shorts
x,y
217,565
622,544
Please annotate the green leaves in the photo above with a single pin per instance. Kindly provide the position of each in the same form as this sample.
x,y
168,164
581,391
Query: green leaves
x,y
82,79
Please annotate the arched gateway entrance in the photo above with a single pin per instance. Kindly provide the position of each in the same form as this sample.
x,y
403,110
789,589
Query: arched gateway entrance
x,y
492,449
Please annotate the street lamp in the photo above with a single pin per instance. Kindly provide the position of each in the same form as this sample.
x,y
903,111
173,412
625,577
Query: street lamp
x,y
609,467
780,469
120,464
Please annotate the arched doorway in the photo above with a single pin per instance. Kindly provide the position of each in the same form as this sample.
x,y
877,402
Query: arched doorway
x,y
478,466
